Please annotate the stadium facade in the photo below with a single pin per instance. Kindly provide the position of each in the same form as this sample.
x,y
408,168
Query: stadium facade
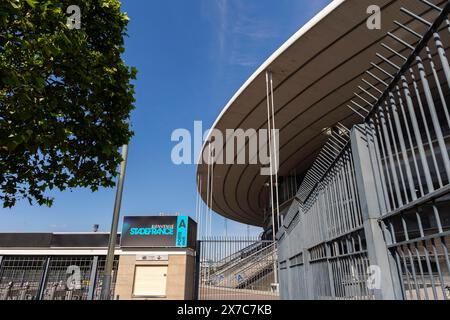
x,y
360,204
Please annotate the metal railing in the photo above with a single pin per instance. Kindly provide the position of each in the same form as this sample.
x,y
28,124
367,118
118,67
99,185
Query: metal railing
x,y
378,195
328,231
408,131
236,269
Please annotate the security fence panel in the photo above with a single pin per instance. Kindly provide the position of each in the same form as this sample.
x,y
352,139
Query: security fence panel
x,y
371,219
318,275
20,277
421,251
297,269
99,278
408,129
236,269
349,268
53,277
68,278
328,225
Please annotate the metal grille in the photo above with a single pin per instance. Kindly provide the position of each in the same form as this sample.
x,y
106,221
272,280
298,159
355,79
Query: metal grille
x,y
53,278
401,173
420,240
99,277
297,275
333,207
319,272
330,224
68,278
408,129
349,264
20,277
236,269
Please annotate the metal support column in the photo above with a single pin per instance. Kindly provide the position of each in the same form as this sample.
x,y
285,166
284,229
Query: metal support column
x,y
390,288
93,278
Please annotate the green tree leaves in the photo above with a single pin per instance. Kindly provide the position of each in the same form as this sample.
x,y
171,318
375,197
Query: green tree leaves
x,y
65,97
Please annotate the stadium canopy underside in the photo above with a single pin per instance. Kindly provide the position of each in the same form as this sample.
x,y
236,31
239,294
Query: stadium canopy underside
x,y
316,74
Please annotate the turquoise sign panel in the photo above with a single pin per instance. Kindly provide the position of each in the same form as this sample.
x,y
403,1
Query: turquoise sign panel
x,y
182,231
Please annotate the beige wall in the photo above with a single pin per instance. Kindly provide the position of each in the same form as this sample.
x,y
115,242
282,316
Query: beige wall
x,y
190,278
180,277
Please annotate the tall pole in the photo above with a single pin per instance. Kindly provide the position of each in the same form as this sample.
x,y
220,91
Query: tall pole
x,y
275,150
270,112
270,156
107,277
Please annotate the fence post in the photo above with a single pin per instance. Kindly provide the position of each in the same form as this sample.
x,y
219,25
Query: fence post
x,y
93,278
197,270
283,251
43,281
308,275
330,271
371,201
1,265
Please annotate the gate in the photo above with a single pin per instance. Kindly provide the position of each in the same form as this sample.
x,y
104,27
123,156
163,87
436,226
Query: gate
x,y
236,269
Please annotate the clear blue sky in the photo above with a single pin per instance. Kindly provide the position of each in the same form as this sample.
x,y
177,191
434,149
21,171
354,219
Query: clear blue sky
x,y
192,56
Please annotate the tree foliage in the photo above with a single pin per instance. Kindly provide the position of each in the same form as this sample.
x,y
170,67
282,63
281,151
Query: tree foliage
x,y
65,97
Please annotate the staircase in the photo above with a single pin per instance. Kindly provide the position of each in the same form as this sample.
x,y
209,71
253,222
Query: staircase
x,y
245,269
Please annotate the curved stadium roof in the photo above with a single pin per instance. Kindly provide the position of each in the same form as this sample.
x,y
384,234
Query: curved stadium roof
x,y
315,73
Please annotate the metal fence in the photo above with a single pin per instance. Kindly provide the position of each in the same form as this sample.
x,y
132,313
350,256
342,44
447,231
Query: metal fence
x,y
407,130
372,219
52,277
20,277
236,268
327,255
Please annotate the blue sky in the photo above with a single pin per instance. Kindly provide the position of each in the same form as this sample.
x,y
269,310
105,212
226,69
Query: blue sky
x,y
192,56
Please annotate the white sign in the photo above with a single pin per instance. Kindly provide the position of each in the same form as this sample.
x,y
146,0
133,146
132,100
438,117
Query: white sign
x,y
153,257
